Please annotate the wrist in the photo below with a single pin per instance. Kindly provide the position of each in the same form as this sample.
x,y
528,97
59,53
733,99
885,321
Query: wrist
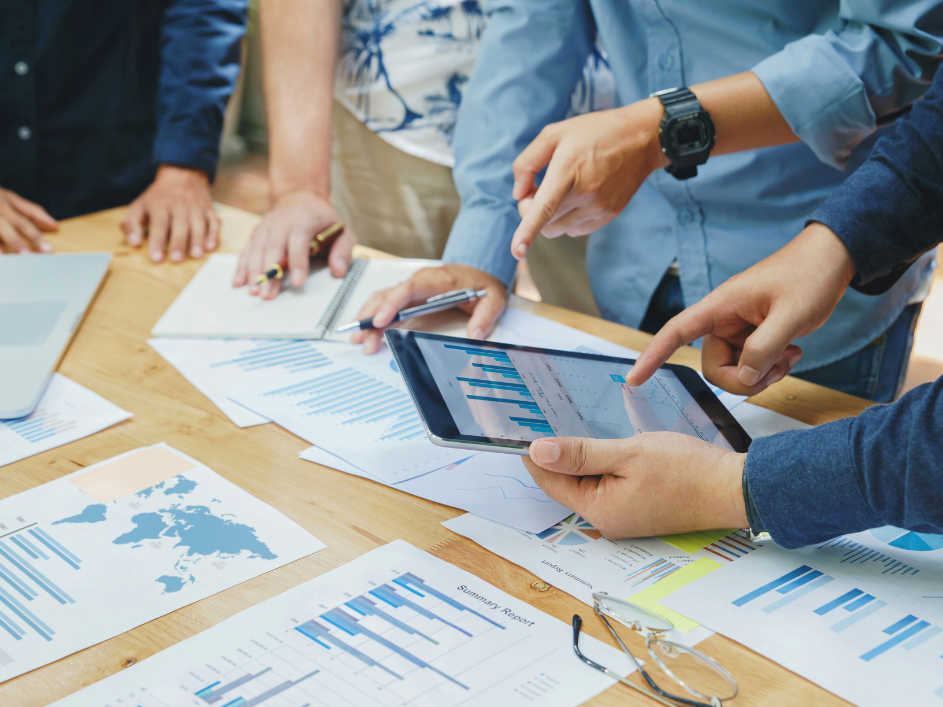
x,y
299,195
832,253
175,174
643,124
729,505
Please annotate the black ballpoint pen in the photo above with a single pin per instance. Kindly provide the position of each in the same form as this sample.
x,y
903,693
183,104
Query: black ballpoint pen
x,y
437,303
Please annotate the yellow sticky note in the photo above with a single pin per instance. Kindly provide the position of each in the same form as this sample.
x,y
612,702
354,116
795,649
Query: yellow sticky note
x,y
649,598
692,542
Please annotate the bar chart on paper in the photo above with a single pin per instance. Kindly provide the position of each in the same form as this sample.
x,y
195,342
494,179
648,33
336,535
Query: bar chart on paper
x,y
66,412
220,367
360,411
846,601
395,627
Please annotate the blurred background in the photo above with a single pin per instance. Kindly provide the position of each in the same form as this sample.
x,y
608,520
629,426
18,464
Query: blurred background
x,y
242,181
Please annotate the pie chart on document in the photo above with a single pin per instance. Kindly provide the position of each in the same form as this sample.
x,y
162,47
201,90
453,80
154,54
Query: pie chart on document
x,y
908,540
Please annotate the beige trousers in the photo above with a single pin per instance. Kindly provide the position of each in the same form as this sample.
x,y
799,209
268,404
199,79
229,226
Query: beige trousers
x,y
405,205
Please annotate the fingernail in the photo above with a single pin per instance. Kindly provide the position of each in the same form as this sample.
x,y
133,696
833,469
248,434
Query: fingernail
x,y
45,247
196,252
775,377
521,251
176,256
545,452
24,251
134,238
748,376
157,255
477,333
211,245
297,279
794,360
515,188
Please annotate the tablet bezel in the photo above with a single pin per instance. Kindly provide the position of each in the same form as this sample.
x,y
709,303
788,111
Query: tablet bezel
x,y
440,425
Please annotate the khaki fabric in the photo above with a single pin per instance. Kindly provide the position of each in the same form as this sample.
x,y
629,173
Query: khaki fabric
x,y
405,205
558,267
393,201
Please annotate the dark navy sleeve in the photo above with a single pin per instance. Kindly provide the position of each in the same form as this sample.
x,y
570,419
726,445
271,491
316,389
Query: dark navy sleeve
x,y
890,211
882,467
200,52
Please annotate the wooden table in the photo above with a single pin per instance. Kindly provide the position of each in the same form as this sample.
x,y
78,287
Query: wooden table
x,y
352,515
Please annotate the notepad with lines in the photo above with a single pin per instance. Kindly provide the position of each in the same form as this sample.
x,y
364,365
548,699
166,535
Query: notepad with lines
x,y
210,307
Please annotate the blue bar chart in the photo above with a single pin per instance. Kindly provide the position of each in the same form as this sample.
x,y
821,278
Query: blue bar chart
x,y
39,426
356,398
25,556
509,391
290,356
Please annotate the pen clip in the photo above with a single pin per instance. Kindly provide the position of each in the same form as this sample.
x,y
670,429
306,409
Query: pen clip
x,y
467,292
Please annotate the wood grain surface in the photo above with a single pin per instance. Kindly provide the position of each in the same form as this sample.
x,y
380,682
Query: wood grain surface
x,y
352,515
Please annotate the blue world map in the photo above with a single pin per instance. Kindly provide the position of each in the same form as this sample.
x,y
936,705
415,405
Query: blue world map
x,y
198,531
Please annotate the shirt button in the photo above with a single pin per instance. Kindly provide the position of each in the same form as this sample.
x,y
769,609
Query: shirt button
x,y
666,61
21,68
685,216
24,133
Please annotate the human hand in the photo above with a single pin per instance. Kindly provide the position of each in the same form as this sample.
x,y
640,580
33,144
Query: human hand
x,y
595,164
749,322
285,236
657,483
176,212
22,223
384,305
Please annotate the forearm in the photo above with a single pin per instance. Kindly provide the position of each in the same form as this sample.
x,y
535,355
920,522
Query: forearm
x,y
880,468
300,40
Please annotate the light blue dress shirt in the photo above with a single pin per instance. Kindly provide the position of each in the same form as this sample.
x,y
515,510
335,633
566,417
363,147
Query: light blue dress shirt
x,y
835,70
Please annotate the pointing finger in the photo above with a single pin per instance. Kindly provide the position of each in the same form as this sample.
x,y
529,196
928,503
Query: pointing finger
x,y
551,192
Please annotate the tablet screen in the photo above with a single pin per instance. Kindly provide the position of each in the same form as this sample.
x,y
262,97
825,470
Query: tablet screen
x,y
519,394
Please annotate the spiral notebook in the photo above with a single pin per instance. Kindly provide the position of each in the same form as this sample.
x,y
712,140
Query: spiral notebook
x,y
211,308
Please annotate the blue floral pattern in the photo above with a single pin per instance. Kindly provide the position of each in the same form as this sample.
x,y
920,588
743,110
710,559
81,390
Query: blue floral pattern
x,y
404,65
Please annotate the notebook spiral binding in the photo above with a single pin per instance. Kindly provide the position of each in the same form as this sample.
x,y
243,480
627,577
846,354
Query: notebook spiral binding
x,y
334,309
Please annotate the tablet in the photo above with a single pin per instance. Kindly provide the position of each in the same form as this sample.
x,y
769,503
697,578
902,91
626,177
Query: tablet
x,y
500,397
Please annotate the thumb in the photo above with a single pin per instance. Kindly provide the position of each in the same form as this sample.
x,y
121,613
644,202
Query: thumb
x,y
487,312
342,253
34,212
766,346
580,456
529,163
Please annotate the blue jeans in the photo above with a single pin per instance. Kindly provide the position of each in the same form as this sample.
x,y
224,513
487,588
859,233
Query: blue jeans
x,y
876,372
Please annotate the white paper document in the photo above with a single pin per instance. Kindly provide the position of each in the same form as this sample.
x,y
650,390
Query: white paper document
x,y
493,486
66,412
210,307
358,409
860,615
394,627
220,367
117,544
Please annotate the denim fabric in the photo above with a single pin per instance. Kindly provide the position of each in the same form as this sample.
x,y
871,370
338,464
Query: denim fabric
x,y
877,371
880,468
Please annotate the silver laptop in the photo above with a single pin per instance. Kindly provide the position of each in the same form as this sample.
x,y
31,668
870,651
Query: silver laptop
x,y
43,299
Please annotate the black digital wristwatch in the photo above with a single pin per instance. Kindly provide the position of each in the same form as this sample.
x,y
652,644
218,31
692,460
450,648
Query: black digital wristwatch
x,y
686,132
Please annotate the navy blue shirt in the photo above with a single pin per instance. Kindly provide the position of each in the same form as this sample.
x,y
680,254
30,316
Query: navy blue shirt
x,y
884,467
94,94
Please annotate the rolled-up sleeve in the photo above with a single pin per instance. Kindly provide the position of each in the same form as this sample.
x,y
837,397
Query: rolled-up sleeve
x,y
200,52
531,56
834,88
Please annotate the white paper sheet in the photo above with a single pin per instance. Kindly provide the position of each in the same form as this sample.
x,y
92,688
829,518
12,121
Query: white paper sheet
x,y
394,627
66,412
359,410
117,544
493,486
221,367
861,615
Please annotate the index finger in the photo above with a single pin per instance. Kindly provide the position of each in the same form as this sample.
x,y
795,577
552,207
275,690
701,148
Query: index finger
x,y
684,328
549,194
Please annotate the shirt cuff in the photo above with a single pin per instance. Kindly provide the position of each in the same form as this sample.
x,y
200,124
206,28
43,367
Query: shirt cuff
x,y
481,238
804,486
185,148
821,97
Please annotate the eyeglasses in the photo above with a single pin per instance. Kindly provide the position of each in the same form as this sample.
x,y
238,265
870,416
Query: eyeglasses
x,y
701,676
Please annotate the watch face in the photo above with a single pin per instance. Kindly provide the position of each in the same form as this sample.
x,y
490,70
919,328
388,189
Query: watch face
x,y
688,134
